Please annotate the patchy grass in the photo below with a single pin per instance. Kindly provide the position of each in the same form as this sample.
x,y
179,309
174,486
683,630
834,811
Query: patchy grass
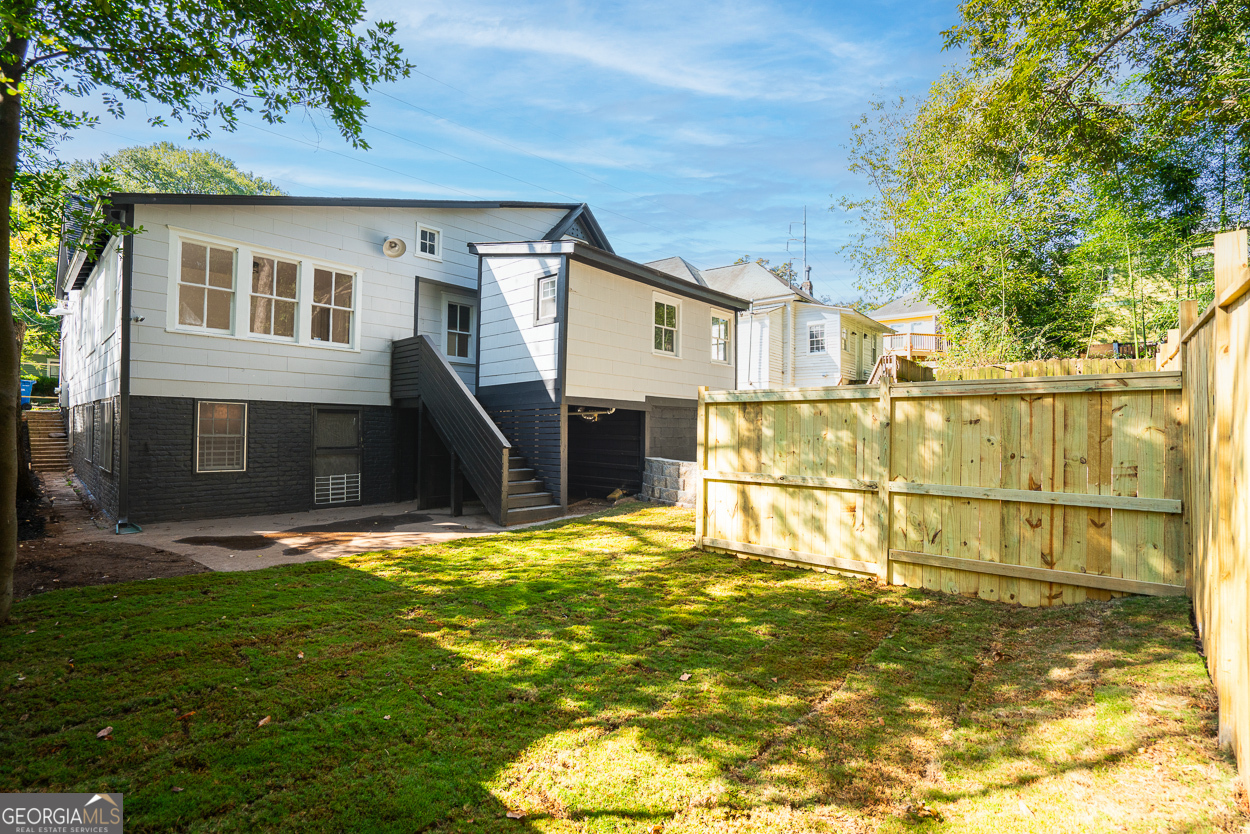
x,y
540,672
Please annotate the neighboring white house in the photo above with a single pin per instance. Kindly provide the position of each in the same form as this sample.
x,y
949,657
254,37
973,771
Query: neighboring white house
x,y
246,354
788,337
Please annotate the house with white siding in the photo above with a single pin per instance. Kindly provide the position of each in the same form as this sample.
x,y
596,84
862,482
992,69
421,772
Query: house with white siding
x,y
244,354
789,338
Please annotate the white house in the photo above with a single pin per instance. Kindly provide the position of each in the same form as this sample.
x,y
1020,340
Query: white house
x,y
243,354
788,336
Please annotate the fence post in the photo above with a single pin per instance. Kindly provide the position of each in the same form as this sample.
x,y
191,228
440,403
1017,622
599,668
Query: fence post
x,y
700,457
1186,315
885,415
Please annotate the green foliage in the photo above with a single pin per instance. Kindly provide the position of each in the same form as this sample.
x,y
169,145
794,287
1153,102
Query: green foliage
x,y
990,338
32,279
165,167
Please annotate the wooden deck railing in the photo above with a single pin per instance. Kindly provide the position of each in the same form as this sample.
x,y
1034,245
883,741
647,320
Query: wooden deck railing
x,y
915,343
464,426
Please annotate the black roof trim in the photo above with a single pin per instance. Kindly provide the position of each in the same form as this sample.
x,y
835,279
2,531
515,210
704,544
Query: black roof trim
x,y
327,202
587,217
612,262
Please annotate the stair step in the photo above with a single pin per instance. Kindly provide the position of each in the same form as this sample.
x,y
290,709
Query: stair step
x,y
523,487
527,514
528,499
525,474
517,462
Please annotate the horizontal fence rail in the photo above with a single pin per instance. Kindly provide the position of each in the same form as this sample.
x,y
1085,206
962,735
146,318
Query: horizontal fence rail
x,y
1037,491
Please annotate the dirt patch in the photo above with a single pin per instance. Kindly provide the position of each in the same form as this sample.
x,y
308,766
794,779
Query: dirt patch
x,y
30,519
46,564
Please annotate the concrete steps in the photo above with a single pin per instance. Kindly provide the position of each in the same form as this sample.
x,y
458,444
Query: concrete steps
x,y
49,447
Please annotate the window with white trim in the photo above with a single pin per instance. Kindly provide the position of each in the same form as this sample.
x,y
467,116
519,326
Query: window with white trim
x,y
815,338
333,303
720,339
545,300
220,436
844,338
459,330
205,286
429,242
666,319
874,348
274,285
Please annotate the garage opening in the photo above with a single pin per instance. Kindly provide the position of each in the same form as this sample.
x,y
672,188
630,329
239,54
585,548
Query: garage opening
x,y
606,452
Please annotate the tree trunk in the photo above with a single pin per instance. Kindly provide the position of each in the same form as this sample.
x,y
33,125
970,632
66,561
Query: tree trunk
x,y
10,372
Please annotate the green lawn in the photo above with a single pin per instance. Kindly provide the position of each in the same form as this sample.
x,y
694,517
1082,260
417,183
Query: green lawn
x,y
539,672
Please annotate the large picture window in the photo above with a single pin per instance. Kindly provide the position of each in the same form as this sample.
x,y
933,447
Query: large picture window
x,y
220,437
274,285
332,306
665,328
205,286
720,339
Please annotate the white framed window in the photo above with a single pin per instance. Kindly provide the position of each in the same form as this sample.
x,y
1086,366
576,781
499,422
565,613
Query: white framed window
x,y
874,348
844,338
333,306
220,436
667,326
205,286
815,338
429,242
545,300
459,343
275,285
720,338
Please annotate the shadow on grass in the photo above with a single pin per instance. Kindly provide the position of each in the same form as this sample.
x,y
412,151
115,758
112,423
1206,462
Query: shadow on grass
x,y
443,686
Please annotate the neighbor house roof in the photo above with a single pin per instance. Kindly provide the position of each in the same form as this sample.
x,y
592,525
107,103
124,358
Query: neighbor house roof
x,y
611,262
910,305
679,267
752,282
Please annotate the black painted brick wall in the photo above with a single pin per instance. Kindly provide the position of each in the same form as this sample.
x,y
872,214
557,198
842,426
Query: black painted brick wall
x,y
164,485
99,477
673,431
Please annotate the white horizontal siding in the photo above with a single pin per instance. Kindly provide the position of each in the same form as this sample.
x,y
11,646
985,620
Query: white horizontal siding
x,y
610,341
176,363
817,369
514,348
91,335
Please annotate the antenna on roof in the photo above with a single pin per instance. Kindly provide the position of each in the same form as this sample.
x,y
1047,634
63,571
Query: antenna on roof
x,y
794,239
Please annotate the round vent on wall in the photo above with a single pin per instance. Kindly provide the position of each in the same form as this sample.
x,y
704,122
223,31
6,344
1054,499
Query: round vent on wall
x,y
394,247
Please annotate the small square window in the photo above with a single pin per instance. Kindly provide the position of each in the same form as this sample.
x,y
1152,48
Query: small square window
x,y
545,300
815,338
429,243
221,437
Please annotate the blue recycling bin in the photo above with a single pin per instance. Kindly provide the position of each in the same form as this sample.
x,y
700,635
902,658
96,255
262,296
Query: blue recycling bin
x,y
28,385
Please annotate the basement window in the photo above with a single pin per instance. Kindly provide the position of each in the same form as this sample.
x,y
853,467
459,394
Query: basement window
x,y
220,437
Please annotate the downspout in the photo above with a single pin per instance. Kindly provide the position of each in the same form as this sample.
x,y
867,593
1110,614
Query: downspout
x,y
123,461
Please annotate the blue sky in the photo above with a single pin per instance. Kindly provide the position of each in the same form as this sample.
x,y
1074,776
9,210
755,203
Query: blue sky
x,y
696,129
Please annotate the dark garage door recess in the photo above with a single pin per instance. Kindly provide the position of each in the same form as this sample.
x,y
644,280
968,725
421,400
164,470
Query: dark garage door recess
x,y
605,454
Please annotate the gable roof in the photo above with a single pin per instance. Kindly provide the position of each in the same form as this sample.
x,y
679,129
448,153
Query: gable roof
x,y
909,305
679,267
614,263
752,282
580,223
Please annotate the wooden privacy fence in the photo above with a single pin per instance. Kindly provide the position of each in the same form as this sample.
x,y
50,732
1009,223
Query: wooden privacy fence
x,y
1215,355
1037,491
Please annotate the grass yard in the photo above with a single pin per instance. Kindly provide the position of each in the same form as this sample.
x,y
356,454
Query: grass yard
x,y
539,673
